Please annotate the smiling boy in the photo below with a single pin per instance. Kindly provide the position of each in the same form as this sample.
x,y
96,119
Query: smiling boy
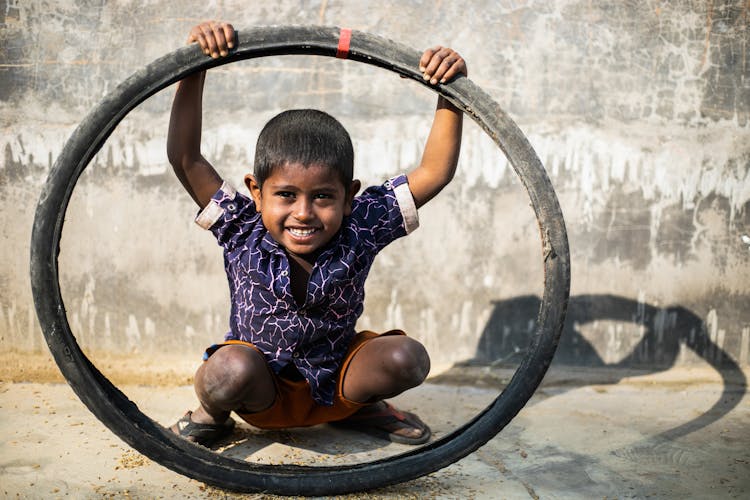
x,y
297,253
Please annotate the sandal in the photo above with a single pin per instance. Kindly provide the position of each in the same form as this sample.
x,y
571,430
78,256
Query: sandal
x,y
203,434
384,422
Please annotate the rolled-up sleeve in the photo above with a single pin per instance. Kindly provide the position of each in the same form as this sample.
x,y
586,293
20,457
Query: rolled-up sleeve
x,y
228,215
405,202
384,213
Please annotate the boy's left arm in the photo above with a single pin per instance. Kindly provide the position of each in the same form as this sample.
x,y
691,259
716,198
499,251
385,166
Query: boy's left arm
x,y
440,157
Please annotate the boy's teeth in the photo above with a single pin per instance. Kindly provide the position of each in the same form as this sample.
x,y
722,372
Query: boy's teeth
x,y
301,232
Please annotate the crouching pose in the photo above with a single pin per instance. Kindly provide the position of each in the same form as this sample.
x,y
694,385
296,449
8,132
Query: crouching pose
x,y
297,252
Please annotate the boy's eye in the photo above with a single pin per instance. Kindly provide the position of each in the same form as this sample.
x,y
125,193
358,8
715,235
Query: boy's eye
x,y
323,196
285,194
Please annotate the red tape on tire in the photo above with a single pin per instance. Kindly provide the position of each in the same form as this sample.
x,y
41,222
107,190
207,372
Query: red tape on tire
x,y
345,38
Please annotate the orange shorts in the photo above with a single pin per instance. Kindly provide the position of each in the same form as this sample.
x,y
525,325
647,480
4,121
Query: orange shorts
x,y
294,405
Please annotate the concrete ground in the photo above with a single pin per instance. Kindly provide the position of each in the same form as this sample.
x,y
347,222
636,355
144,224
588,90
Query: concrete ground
x,y
682,433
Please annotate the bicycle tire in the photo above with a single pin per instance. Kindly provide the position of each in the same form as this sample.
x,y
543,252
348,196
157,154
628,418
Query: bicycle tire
x,y
124,418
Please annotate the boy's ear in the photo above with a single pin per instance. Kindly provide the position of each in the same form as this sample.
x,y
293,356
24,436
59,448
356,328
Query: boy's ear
x,y
254,188
353,190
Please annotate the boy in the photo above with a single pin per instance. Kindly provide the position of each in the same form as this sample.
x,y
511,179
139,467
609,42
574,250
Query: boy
x,y
297,254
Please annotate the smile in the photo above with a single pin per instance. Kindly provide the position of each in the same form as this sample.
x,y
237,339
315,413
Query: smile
x,y
301,233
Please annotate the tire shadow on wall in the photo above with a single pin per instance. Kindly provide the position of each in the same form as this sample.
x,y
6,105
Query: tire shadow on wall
x,y
614,334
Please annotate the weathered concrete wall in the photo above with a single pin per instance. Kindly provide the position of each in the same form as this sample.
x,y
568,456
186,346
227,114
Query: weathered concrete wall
x,y
639,110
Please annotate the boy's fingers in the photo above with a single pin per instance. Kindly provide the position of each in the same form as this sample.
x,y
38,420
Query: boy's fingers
x,y
221,41
424,61
452,66
196,36
432,71
210,37
228,34
431,65
442,64
215,38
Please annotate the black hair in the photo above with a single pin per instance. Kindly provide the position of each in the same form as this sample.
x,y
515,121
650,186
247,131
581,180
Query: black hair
x,y
305,136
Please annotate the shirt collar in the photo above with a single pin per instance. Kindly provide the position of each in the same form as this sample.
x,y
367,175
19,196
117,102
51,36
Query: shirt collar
x,y
269,244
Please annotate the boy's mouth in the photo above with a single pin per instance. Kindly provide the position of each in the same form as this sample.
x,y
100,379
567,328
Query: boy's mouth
x,y
301,232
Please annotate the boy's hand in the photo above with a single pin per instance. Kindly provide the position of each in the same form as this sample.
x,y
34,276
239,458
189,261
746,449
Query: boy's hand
x,y
440,64
214,37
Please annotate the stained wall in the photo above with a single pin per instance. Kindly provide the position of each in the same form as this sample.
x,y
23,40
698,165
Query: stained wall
x,y
640,112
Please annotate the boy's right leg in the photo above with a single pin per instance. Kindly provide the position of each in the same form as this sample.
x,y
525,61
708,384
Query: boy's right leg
x,y
235,377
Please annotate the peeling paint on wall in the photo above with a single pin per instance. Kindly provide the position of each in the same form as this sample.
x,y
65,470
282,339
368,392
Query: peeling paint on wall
x,y
638,110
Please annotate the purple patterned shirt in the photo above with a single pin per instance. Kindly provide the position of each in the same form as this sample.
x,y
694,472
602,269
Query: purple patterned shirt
x,y
314,336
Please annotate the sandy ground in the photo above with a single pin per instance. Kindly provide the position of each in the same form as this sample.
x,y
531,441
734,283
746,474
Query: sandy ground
x,y
683,433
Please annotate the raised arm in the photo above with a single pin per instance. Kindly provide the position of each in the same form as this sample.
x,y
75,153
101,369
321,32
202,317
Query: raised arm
x,y
443,146
184,140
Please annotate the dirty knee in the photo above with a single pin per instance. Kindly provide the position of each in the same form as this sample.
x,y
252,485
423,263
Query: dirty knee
x,y
409,363
231,377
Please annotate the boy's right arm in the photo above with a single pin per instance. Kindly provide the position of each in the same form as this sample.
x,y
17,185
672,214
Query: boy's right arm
x,y
183,142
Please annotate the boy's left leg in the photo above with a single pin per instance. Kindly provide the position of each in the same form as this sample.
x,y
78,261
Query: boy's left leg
x,y
382,368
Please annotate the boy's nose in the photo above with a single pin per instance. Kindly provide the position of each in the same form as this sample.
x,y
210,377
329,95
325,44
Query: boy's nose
x,y
303,210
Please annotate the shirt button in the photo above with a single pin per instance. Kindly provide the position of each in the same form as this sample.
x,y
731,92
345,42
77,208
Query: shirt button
x,y
231,208
295,355
285,273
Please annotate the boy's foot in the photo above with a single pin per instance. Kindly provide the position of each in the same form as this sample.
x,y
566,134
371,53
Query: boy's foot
x,y
203,434
384,421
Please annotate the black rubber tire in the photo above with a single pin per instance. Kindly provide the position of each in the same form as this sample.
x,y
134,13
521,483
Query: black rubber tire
x,y
122,416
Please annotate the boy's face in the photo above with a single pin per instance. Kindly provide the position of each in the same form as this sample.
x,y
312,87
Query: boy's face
x,y
302,207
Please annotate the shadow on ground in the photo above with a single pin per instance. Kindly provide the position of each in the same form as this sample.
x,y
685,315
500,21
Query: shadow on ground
x,y
301,446
660,333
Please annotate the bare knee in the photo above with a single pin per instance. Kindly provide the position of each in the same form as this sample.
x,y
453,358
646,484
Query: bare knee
x,y
385,367
408,362
235,376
